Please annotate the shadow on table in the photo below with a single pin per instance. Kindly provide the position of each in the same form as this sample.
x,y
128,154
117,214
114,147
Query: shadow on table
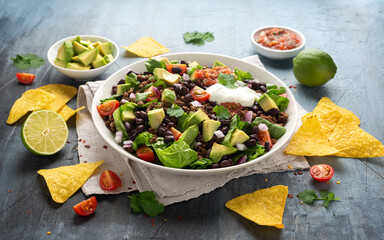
x,y
282,64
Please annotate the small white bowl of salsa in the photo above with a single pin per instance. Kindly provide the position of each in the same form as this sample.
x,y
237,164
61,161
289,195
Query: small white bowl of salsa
x,y
277,42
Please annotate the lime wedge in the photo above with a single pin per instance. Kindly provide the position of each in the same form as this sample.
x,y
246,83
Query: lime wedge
x,y
44,132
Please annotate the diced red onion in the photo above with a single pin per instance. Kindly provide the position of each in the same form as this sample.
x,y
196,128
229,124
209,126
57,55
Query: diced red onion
x,y
118,136
123,101
132,96
242,159
248,117
263,127
241,146
196,103
156,91
186,77
197,144
219,134
128,143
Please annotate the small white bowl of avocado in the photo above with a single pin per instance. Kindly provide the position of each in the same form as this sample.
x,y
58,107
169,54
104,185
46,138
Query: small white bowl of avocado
x,y
83,57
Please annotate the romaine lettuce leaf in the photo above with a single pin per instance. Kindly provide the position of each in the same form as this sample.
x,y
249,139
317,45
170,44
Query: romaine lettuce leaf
x,y
119,125
178,155
142,139
200,164
151,64
131,79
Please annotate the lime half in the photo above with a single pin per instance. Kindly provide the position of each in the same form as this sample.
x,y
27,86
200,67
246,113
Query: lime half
x,y
44,132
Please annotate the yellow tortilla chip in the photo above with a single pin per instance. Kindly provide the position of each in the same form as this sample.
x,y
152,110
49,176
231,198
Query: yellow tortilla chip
x,y
146,47
355,142
310,140
63,182
264,207
31,100
63,94
67,112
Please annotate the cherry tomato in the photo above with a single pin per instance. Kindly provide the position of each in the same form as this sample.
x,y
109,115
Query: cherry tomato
x,y
284,94
264,136
153,94
176,134
145,153
176,68
25,78
107,108
109,180
200,94
232,106
321,172
86,207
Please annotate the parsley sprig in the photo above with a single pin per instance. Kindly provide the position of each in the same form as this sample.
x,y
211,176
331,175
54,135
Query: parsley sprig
x,y
146,202
309,196
221,112
24,62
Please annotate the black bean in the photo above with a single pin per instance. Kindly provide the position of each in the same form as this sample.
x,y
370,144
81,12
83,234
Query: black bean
x,y
140,121
255,130
163,124
254,109
166,121
140,128
114,89
226,163
215,165
191,85
176,69
225,129
267,146
186,84
141,114
171,124
183,62
263,89
168,133
127,126
169,138
208,152
183,91
188,98
253,136
263,84
133,135
251,142
255,85
273,112
177,87
122,81
212,116
147,73
212,103
225,122
161,131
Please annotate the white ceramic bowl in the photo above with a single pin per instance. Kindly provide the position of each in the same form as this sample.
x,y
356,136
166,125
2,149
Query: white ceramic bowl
x,y
204,59
81,75
275,53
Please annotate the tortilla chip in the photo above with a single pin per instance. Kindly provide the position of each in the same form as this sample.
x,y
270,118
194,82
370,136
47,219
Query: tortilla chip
x,y
355,142
63,182
63,94
67,112
264,207
310,140
31,100
146,47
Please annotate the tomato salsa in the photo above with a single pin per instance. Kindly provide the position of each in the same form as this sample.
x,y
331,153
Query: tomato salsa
x,y
278,38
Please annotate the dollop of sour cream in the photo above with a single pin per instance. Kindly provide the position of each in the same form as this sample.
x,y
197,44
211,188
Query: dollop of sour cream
x,y
243,95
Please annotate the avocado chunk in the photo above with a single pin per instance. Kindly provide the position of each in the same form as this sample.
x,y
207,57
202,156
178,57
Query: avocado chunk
x,y
190,134
108,58
65,51
195,118
127,115
238,136
162,59
217,64
218,151
209,127
88,56
193,64
77,66
105,48
168,96
60,62
76,39
155,117
95,44
76,59
267,103
275,130
168,77
85,43
122,88
98,62
79,48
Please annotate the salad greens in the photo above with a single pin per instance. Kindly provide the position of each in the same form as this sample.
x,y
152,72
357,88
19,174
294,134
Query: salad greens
x,y
175,111
198,38
221,112
152,63
146,202
178,155
241,75
227,80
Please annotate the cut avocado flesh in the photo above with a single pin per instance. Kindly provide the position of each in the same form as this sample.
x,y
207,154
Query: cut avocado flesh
x,y
88,56
218,151
65,52
238,136
108,58
105,48
275,130
98,62
77,66
155,117
190,134
127,115
193,64
267,103
195,118
60,62
162,59
76,39
79,48
122,88
168,96
168,77
209,127
217,64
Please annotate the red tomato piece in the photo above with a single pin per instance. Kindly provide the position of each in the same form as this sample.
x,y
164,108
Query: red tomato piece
x,y
200,94
145,153
264,136
86,207
232,106
176,68
109,180
284,95
153,94
321,172
107,108
25,78
176,134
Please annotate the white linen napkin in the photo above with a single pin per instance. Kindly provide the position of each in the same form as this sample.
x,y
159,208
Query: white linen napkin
x,y
168,188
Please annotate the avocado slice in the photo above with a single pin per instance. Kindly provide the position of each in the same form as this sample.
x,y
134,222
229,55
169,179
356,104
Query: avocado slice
x,y
77,66
60,62
76,59
108,58
98,62
267,103
209,127
95,44
127,115
168,77
190,134
155,117
65,51
238,136
218,151
195,118
105,48
217,64
193,64
168,96
79,48
275,130
122,88
162,59
85,43
76,39
88,56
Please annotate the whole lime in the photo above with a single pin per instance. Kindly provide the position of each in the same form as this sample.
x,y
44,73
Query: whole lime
x,y
313,67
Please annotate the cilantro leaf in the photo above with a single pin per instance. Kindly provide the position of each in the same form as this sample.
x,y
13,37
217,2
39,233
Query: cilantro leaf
x,y
151,64
221,112
308,196
198,38
146,202
159,83
24,62
141,96
241,75
275,89
175,111
132,80
227,80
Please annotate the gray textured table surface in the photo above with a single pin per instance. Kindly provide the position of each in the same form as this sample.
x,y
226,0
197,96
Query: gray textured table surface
x,y
350,31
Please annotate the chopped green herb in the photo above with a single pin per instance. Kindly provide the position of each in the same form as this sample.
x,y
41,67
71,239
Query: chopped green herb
x,y
198,38
146,202
151,64
221,112
308,196
227,80
241,75
175,111
24,62
141,96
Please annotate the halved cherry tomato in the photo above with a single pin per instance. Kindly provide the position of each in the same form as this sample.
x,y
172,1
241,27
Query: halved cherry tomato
x,y
232,106
200,94
283,94
153,94
321,172
86,207
264,136
25,78
176,134
176,68
145,153
107,108
109,180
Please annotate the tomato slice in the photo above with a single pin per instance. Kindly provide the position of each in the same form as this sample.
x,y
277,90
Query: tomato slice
x,y
176,134
146,153
264,136
200,94
153,94
109,180
107,108
25,78
321,172
232,106
176,68
86,207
